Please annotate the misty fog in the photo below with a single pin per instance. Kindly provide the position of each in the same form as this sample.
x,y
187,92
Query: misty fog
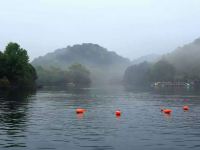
x,y
132,28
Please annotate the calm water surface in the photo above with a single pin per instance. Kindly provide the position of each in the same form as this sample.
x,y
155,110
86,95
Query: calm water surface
x,y
46,119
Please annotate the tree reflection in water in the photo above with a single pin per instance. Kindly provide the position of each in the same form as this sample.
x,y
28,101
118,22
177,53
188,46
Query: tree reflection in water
x,y
13,111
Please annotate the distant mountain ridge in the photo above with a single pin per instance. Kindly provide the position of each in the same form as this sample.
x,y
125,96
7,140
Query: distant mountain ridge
x,y
105,66
186,59
180,65
148,58
91,55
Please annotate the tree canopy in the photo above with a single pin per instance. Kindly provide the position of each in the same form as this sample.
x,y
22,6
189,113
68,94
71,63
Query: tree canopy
x,y
162,71
79,75
15,66
76,74
145,73
137,74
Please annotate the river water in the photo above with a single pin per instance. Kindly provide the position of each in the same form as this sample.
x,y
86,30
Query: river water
x,y
46,119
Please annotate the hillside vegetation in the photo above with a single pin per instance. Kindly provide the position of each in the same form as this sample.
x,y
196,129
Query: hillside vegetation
x,y
77,75
105,66
181,65
91,55
186,59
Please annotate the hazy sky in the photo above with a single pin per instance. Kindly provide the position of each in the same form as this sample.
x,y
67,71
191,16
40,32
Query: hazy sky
x,y
132,28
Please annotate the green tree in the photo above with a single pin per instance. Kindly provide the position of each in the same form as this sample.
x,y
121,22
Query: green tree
x,y
2,65
79,75
52,76
137,74
15,66
162,71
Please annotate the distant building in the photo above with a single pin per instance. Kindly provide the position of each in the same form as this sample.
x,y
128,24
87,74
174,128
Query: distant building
x,y
171,84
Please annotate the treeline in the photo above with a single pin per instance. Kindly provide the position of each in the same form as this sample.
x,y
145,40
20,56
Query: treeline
x,y
162,71
181,65
76,75
87,54
15,69
105,66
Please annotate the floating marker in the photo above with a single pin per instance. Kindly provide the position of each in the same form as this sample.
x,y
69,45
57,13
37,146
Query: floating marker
x,y
185,108
167,111
80,110
118,113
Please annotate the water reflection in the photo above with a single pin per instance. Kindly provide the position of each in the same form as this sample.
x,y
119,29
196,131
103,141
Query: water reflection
x,y
48,120
118,117
163,91
13,111
80,115
167,116
176,91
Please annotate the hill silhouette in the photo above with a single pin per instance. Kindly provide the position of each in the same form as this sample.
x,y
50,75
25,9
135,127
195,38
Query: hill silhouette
x,y
105,66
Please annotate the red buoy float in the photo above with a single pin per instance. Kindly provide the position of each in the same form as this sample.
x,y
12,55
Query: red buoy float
x,y
167,111
185,108
80,110
118,113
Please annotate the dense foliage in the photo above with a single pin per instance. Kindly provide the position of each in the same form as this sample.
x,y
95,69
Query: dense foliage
x,y
88,54
77,75
186,60
137,74
162,71
105,66
145,73
51,76
15,69
180,65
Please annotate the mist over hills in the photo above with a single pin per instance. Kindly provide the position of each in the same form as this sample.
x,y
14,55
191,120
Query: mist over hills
x,y
180,65
105,66
91,55
108,67
148,58
186,59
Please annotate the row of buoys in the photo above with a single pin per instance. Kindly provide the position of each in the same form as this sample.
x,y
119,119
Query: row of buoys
x,y
169,111
82,111
118,112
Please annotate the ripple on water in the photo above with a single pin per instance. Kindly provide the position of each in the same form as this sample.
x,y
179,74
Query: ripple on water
x,y
47,120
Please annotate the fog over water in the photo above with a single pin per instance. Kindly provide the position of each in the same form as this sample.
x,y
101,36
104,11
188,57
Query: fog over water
x,y
102,74
132,28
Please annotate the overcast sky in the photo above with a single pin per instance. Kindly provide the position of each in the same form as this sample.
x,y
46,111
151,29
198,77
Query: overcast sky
x,y
132,28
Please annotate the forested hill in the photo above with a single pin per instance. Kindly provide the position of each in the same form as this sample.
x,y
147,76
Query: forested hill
x,y
91,55
148,58
182,64
186,59
105,66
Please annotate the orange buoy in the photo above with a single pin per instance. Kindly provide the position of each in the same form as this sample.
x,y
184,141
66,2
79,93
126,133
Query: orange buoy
x,y
185,108
167,111
80,110
118,113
